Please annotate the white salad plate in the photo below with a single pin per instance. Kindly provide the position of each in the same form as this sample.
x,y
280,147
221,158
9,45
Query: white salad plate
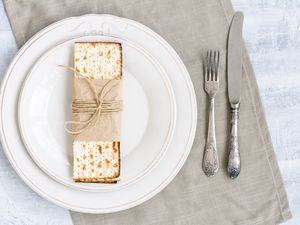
x,y
148,116
111,199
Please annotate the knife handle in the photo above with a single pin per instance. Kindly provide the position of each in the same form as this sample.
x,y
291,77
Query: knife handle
x,y
234,161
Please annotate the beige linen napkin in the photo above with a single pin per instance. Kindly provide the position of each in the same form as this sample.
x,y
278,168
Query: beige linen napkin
x,y
191,27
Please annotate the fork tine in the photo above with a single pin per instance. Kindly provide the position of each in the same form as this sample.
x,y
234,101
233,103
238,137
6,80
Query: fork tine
x,y
211,62
206,67
217,65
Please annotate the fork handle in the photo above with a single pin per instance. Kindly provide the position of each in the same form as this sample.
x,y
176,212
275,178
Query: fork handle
x,y
210,162
234,161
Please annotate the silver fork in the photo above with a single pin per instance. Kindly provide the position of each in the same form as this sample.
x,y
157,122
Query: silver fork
x,y
210,162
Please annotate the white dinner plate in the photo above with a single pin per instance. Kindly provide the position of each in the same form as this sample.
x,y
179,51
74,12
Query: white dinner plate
x,y
148,116
121,198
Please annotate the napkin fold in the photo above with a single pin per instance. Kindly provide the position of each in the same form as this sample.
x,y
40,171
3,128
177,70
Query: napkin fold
x,y
191,27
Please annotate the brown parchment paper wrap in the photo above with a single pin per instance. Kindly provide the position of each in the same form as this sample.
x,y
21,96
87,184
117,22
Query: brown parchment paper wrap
x,y
108,126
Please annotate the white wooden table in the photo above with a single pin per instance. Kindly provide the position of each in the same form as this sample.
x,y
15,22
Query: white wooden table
x,y
272,34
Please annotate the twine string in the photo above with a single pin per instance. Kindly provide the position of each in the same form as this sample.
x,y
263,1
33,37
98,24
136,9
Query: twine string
x,y
94,108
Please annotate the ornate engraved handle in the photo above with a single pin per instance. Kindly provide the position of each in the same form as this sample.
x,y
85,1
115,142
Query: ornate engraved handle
x,y
234,161
210,159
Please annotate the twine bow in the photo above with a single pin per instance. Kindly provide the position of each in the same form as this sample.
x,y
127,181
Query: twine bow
x,y
95,108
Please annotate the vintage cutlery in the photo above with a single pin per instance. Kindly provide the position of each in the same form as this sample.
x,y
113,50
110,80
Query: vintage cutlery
x,y
210,162
234,76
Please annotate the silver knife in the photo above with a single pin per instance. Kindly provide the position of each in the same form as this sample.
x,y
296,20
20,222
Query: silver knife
x,y
234,76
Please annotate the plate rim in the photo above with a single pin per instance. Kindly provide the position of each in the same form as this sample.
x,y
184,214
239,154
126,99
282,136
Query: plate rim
x,y
153,163
188,145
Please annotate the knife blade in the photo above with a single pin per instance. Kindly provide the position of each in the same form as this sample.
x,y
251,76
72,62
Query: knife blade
x,y
234,65
234,78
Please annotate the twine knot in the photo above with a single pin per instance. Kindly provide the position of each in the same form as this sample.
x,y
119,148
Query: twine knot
x,y
95,107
